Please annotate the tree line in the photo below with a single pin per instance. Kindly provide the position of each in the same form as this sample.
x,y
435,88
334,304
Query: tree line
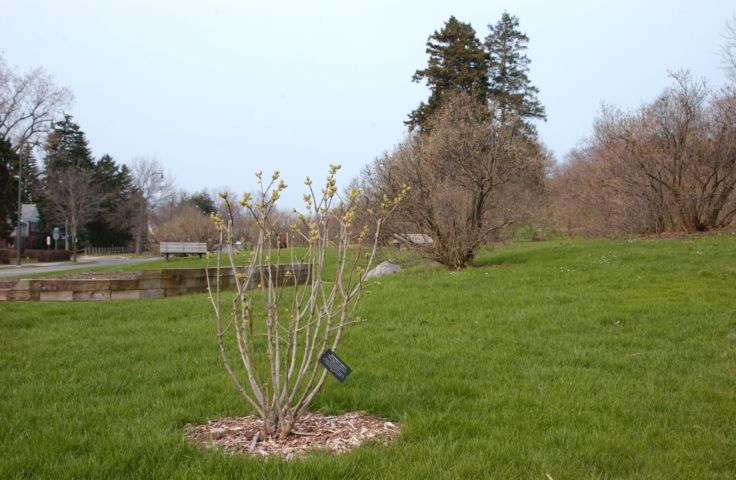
x,y
669,165
471,169
93,201
478,172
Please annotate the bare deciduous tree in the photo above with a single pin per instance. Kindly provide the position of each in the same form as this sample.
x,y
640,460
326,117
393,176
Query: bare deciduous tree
x,y
151,184
681,149
670,165
276,330
456,172
29,103
188,224
75,198
586,198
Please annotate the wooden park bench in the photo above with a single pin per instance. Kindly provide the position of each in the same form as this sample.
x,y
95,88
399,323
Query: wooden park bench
x,y
182,248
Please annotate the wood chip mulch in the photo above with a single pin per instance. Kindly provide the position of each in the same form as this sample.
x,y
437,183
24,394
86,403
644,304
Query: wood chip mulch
x,y
314,431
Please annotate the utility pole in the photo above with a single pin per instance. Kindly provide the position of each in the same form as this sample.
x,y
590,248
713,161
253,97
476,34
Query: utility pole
x,y
20,208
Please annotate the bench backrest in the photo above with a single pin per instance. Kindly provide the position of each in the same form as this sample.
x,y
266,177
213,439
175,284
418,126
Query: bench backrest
x,y
183,247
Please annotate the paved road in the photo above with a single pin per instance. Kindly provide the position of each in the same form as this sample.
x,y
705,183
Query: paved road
x,y
15,271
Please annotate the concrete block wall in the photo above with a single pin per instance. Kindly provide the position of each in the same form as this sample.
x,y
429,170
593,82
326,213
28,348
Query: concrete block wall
x,y
159,283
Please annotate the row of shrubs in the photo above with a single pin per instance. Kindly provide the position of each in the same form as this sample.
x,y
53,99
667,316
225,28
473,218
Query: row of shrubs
x,y
47,255
8,254
5,255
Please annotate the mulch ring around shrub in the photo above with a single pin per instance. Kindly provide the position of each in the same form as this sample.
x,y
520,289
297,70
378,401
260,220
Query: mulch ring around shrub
x,y
313,431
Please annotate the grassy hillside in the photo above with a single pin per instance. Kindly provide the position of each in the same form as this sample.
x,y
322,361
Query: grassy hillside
x,y
582,359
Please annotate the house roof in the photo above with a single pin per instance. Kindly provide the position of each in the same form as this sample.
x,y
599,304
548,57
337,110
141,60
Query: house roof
x,y
415,238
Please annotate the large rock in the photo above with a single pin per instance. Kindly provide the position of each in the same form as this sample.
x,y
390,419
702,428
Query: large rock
x,y
385,268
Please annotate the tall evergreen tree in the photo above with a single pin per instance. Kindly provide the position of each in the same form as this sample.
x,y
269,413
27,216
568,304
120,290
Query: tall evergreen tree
x,y
67,146
508,71
204,202
113,225
457,63
31,178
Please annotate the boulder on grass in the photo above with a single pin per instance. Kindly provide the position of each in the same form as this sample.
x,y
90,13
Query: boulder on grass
x,y
385,268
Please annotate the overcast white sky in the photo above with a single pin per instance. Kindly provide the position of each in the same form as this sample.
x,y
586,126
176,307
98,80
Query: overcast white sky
x,y
219,89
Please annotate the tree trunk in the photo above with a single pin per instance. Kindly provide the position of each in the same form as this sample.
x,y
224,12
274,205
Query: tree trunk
x,y
139,236
74,240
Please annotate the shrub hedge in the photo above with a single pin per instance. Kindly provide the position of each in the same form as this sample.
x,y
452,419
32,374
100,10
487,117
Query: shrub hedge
x,y
47,255
6,254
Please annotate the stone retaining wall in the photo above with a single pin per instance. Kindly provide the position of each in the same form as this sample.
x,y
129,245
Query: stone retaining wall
x,y
158,283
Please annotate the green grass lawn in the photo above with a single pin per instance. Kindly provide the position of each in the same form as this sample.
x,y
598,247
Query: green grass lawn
x,y
576,359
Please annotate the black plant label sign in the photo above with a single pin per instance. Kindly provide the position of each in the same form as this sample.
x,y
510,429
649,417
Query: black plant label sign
x,y
334,365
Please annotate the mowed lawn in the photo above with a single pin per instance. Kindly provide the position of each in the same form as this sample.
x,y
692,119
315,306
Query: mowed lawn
x,y
560,359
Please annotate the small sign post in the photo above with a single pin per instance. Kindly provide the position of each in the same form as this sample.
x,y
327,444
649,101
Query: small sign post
x,y
56,233
334,365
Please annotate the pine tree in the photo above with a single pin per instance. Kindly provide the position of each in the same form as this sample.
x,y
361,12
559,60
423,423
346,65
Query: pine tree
x,y
113,225
203,202
457,63
31,182
67,146
508,67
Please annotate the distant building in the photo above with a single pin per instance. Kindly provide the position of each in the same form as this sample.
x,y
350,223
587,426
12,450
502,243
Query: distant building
x,y
28,221
403,239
